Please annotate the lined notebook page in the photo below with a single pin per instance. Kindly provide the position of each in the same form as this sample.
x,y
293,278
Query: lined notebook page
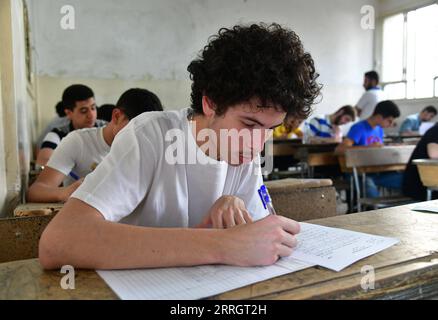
x,y
335,248
191,282
317,245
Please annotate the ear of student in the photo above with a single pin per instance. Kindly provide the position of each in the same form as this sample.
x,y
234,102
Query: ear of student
x,y
208,106
116,115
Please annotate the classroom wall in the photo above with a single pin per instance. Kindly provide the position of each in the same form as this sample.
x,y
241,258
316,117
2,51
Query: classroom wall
x,y
16,107
149,43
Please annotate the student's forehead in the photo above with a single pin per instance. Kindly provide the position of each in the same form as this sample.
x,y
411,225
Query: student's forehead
x,y
85,103
256,110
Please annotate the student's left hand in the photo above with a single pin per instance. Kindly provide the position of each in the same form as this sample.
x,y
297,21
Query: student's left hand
x,y
226,212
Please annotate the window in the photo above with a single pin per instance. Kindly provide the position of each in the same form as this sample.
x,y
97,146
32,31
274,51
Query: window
x,y
410,54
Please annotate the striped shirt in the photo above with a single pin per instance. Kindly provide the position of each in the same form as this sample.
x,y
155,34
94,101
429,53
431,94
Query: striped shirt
x,y
54,137
320,127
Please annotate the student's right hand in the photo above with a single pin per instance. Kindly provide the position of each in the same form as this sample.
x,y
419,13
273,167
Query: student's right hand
x,y
68,191
261,243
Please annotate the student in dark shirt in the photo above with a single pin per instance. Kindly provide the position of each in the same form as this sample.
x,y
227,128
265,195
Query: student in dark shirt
x,y
427,148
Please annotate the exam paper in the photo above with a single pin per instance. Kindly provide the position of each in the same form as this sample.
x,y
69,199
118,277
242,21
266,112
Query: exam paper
x,y
332,248
426,207
191,282
424,127
336,249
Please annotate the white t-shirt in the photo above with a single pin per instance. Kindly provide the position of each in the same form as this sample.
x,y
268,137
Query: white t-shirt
x,y
79,152
369,100
135,184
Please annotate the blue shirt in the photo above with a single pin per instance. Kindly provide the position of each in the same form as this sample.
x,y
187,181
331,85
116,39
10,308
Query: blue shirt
x,y
364,135
411,123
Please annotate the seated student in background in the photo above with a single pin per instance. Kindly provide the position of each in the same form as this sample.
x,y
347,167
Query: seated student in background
x,y
179,188
427,148
326,128
289,129
81,151
59,121
80,109
369,133
412,123
105,112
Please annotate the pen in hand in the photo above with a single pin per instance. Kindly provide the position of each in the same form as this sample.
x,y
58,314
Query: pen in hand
x,y
73,175
266,200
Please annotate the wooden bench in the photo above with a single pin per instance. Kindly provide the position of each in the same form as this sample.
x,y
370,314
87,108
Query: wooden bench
x,y
19,237
37,209
362,161
428,171
303,199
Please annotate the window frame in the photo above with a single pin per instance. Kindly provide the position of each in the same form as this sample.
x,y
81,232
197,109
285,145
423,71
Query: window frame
x,y
378,51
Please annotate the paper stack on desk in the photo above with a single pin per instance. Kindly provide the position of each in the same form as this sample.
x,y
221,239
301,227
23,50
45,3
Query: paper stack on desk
x,y
332,248
426,206
336,249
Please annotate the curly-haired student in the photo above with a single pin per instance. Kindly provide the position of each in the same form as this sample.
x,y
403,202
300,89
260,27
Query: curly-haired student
x,y
179,188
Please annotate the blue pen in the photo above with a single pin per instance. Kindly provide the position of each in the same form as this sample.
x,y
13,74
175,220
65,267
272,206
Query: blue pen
x,y
73,175
266,200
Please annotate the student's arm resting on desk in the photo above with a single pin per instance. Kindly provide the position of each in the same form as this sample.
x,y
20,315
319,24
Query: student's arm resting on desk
x,y
63,160
406,127
46,187
44,155
432,150
346,143
79,236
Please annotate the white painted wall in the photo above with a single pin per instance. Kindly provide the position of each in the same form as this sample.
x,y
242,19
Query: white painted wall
x,y
151,42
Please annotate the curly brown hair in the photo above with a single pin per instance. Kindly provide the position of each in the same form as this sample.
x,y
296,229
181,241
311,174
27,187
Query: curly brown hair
x,y
263,61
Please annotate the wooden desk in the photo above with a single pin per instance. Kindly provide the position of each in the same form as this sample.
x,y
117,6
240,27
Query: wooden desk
x,y
398,139
37,209
428,170
406,271
291,152
303,199
370,169
292,147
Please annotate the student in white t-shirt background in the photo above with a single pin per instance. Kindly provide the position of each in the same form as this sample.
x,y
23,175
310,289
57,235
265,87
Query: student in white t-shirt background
x,y
141,209
82,150
372,96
